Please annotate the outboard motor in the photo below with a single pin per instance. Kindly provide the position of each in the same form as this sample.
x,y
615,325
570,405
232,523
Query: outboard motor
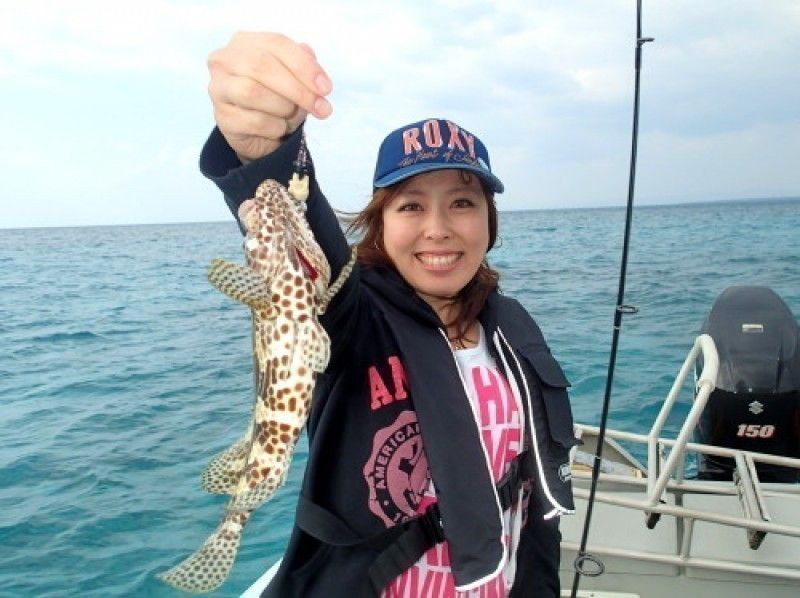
x,y
756,403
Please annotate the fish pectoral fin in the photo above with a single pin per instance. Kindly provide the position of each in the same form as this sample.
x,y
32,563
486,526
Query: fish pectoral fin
x,y
222,473
315,345
208,567
239,283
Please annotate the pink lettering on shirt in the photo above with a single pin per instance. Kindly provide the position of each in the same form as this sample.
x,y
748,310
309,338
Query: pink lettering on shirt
x,y
500,428
500,418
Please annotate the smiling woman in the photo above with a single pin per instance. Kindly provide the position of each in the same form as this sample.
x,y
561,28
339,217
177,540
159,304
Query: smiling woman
x,y
436,233
438,429
435,229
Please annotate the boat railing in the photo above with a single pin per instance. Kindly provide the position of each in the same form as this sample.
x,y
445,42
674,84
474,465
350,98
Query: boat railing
x,y
705,385
664,475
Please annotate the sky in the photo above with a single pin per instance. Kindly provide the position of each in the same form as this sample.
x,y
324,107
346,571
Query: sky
x,y
104,105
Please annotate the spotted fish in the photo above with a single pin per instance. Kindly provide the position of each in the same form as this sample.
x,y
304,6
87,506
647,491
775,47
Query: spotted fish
x,y
285,282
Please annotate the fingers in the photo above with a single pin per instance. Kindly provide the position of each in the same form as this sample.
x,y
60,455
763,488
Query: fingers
x,y
308,49
238,121
248,94
307,82
263,85
274,62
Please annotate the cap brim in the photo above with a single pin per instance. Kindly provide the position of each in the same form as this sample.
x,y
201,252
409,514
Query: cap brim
x,y
400,175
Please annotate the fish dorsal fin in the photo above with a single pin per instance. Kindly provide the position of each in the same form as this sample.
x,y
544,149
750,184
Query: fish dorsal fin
x,y
239,282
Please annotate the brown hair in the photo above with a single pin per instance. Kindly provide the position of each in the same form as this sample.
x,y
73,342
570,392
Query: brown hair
x,y
471,298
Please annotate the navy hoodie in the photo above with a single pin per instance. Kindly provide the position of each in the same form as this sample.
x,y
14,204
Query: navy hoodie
x,y
391,409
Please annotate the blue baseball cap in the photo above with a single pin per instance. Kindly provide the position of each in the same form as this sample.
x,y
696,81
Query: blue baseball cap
x,y
432,144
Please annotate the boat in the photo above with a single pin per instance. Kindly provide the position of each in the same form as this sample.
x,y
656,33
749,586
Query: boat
x,y
715,510
705,514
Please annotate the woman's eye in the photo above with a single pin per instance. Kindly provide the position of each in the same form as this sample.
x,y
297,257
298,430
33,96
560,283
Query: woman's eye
x,y
409,207
463,203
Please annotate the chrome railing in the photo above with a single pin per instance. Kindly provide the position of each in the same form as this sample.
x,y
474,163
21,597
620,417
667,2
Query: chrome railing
x,y
666,476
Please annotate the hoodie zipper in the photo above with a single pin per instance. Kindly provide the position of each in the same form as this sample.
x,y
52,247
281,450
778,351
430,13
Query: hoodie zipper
x,y
500,340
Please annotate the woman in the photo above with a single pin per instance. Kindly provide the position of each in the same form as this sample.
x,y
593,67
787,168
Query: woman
x,y
439,433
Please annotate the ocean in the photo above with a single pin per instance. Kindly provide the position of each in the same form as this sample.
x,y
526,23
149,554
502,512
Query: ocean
x,y
123,371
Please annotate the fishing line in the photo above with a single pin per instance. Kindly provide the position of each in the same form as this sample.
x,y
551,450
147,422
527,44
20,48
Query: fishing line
x,y
584,561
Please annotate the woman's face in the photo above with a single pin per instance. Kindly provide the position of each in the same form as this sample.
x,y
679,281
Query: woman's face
x,y
436,232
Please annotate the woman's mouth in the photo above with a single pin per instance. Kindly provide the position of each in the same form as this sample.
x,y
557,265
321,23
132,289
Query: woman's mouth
x,y
438,261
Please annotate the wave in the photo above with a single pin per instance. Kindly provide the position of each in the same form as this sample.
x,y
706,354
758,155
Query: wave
x,y
55,337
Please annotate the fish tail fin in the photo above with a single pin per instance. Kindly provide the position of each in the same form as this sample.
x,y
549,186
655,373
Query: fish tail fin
x,y
238,282
208,567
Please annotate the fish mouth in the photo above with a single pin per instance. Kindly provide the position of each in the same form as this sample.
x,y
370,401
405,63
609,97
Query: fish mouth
x,y
310,271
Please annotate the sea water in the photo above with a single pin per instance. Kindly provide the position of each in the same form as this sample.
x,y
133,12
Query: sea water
x,y
122,370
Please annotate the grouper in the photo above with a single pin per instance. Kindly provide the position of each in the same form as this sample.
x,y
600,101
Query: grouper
x,y
285,283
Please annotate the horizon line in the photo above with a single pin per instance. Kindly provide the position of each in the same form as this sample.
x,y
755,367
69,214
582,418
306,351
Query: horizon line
x,y
685,203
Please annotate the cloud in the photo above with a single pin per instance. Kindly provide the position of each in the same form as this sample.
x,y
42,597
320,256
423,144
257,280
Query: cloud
x,y
749,162
547,85
94,35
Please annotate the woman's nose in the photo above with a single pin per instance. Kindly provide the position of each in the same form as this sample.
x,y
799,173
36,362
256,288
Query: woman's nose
x,y
437,225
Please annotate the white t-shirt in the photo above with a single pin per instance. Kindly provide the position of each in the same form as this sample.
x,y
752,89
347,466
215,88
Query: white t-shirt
x,y
500,420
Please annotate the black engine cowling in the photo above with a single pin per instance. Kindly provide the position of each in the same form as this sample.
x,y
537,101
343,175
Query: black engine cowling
x,y
756,403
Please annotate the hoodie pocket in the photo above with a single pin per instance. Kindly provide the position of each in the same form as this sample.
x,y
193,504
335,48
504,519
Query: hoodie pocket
x,y
553,384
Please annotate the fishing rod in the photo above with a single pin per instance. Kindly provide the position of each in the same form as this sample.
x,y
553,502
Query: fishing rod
x,y
584,560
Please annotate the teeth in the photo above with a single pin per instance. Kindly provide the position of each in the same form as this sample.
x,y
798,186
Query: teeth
x,y
438,260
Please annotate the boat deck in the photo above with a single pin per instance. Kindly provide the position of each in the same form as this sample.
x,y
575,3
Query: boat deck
x,y
661,535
